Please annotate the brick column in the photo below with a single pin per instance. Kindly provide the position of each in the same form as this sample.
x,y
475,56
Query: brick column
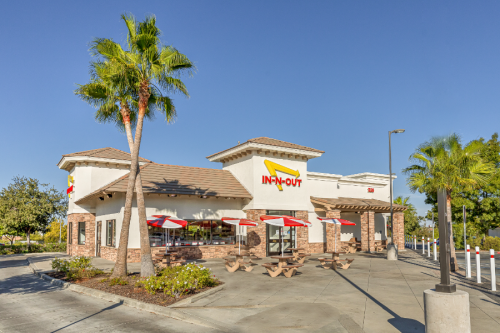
x,y
368,231
399,229
256,236
330,231
302,232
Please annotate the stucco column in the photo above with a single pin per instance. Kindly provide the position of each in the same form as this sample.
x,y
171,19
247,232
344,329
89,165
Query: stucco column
x,y
368,231
399,229
330,231
256,236
302,232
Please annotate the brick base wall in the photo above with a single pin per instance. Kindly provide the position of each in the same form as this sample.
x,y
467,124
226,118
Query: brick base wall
x,y
331,235
74,248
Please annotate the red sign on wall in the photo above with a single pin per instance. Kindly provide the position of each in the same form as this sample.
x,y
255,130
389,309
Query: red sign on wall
x,y
371,189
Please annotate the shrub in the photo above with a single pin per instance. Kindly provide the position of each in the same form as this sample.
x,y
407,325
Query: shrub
x,y
180,280
76,268
34,248
118,281
491,243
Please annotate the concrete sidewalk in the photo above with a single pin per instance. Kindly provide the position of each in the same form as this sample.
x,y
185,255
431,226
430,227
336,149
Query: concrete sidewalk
x,y
374,295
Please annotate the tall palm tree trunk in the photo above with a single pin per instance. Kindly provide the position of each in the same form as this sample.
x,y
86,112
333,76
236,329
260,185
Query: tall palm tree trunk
x,y
453,255
147,266
120,268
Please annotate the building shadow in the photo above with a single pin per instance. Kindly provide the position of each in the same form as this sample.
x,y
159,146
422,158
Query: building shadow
x,y
400,323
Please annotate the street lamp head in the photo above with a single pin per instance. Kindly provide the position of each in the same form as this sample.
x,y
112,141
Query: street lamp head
x,y
398,131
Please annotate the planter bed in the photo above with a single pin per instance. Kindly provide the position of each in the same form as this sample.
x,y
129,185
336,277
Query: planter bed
x,y
129,290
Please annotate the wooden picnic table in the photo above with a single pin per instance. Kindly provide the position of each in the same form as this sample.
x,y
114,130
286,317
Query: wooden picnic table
x,y
282,266
232,265
297,256
353,246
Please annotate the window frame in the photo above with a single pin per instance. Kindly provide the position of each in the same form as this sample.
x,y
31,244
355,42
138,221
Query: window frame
x,y
70,233
79,234
111,242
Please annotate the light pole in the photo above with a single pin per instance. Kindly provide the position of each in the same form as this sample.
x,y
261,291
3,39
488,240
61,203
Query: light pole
x,y
392,252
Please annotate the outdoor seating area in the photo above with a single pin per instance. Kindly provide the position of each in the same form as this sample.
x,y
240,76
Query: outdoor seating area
x,y
353,245
380,246
282,266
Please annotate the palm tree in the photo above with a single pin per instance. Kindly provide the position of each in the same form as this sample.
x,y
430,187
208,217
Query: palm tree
x,y
146,68
113,103
442,163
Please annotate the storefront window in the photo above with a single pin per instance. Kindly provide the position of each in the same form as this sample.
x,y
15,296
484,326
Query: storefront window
x,y
223,233
197,232
110,232
81,233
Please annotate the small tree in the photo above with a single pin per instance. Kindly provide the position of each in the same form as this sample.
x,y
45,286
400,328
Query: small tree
x,y
52,235
8,233
27,206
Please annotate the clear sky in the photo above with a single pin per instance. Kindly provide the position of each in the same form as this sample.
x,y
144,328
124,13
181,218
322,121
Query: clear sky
x,y
332,75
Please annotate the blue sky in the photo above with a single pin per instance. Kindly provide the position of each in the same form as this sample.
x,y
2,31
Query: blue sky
x,y
332,75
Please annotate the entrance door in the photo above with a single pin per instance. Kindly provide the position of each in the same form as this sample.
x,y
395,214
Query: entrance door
x,y
98,240
278,237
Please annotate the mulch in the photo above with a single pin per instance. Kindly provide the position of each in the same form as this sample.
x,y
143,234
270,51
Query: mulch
x,y
128,290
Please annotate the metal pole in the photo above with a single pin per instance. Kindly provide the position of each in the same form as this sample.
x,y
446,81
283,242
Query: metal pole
x,y
390,189
444,247
433,224
428,247
335,236
465,235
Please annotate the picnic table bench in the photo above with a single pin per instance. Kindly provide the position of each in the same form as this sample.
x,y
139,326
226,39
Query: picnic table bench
x,y
380,246
299,256
288,270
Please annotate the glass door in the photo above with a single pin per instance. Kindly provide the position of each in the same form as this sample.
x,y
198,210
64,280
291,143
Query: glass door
x,y
98,241
278,237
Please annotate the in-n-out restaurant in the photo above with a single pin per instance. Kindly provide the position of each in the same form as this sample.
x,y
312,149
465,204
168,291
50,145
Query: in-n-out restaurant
x,y
261,176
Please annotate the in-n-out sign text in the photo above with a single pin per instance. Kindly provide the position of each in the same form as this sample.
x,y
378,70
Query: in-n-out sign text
x,y
272,167
371,189
280,181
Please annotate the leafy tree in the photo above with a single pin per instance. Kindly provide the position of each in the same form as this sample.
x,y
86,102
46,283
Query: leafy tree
x,y
147,66
57,227
443,163
482,204
8,233
27,206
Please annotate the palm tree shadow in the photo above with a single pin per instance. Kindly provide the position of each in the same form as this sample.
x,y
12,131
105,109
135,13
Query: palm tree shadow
x,y
399,323
111,307
174,187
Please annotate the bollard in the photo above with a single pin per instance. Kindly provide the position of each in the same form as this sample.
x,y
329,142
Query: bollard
x,y
467,262
478,265
423,245
428,248
493,274
414,242
435,250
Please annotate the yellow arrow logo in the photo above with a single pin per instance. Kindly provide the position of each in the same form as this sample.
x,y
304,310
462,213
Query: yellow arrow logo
x,y
273,167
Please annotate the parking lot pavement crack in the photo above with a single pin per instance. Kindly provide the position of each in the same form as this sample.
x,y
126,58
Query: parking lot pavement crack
x,y
322,291
484,312
404,277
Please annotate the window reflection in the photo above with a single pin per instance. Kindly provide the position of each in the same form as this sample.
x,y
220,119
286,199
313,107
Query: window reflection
x,y
197,232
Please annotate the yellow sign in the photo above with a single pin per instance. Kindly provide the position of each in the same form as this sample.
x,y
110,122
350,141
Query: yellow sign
x,y
71,180
272,167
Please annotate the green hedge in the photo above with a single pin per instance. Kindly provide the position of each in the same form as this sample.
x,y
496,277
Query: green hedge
x,y
489,243
34,248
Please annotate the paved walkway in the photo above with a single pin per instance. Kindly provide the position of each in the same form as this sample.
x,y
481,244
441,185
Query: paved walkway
x,y
29,304
374,295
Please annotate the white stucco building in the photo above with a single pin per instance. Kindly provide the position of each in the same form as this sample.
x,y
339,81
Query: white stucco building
x,y
262,176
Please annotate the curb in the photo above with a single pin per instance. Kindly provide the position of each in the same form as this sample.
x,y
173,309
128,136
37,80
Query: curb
x,y
160,310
